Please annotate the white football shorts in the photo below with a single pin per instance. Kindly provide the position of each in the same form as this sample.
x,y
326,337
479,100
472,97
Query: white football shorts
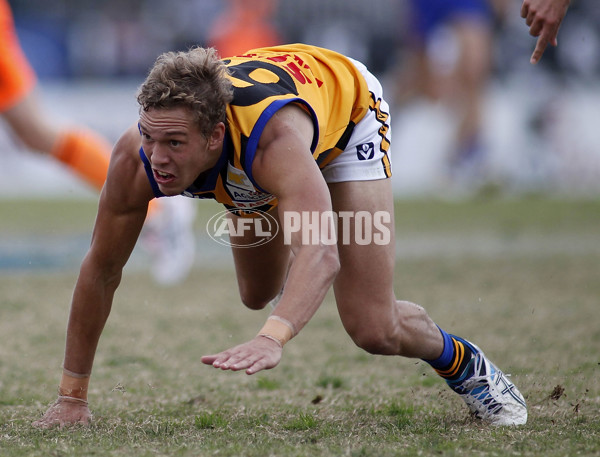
x,y
366,157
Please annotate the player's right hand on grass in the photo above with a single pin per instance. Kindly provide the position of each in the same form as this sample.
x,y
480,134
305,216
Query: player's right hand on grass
x,y
65,412
257,354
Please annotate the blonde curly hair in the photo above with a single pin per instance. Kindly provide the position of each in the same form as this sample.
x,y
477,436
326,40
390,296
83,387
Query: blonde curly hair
x,y
195,79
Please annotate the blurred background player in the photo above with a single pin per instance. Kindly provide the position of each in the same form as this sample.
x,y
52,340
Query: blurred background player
x,y
244,25
85,153
449,50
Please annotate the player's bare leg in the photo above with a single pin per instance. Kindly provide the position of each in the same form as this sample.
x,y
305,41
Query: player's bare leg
x,y
371,314
261,270
381,324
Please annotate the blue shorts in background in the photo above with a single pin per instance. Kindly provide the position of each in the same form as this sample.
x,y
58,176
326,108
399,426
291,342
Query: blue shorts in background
x,y
428,15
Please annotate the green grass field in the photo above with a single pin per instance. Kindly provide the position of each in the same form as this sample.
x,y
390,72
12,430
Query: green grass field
x,y
521,278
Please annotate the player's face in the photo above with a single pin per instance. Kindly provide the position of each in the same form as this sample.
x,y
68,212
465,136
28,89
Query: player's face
x,y
175,147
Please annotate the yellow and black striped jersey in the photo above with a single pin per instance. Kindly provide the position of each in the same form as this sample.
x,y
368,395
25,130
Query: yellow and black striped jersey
x,y
326,83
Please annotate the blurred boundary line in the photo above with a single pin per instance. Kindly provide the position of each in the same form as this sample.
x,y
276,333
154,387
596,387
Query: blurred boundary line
x,y
65,253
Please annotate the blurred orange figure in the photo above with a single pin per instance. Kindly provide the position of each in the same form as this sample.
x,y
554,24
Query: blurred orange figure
x,y
81,150
244,25
86,154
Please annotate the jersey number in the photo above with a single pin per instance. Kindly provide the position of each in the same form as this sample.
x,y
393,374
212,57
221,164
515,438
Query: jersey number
x,y
257,91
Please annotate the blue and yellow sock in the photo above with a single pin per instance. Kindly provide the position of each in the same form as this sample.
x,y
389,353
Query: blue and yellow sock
x,y
452,364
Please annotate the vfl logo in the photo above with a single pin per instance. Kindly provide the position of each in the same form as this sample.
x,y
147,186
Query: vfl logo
x,y
365,151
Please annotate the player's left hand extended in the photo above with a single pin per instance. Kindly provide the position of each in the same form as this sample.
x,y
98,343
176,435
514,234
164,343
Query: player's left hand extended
x,y
258,354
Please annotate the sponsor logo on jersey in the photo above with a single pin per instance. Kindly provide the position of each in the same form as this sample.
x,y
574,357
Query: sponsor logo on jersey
x,y
243,193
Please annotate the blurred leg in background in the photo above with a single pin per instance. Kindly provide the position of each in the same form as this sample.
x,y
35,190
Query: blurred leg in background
x,y
84,152
449,61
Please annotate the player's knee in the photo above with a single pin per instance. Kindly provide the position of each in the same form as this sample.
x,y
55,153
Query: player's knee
x,y
392,334
254,302
377,341
254,298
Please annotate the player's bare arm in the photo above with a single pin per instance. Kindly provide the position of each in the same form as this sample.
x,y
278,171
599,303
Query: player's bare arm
x,y
284,166
543,18
121,213
287,169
